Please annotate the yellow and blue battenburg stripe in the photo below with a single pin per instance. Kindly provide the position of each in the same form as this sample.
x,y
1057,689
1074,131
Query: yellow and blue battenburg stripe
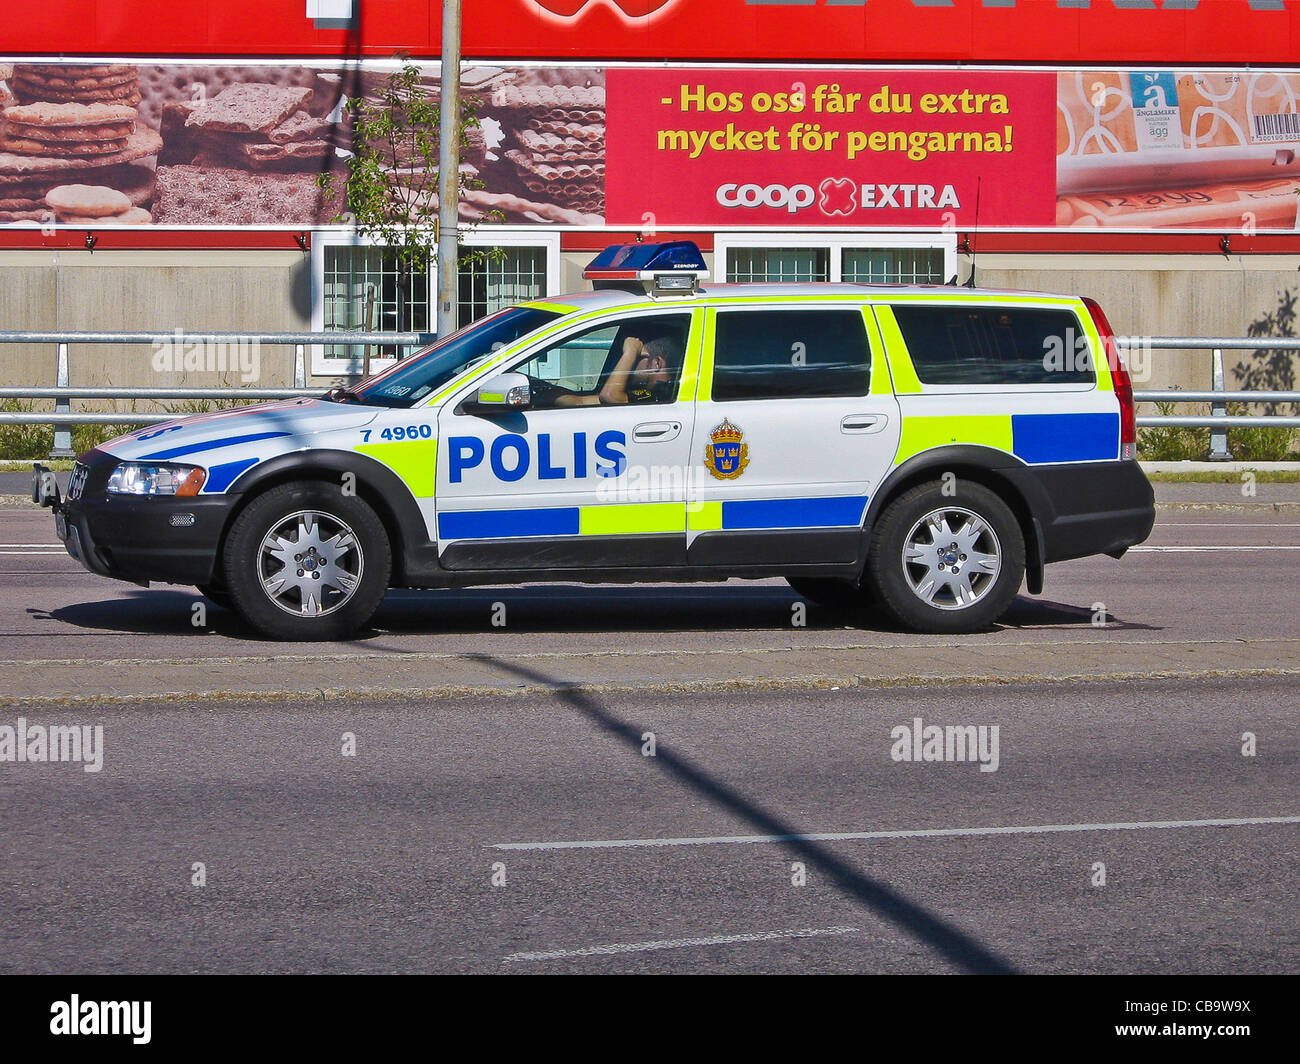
x,y
838,511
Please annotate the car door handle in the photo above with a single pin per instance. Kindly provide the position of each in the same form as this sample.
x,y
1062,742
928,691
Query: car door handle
x,y
864,422
657,431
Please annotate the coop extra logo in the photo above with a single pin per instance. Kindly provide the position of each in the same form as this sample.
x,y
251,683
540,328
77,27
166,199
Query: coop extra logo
x,y
631,12
837,196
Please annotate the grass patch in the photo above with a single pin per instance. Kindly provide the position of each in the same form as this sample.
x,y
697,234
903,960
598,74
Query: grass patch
x,y
1262,476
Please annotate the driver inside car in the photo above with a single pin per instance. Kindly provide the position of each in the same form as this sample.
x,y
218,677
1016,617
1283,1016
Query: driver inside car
x,y
646,372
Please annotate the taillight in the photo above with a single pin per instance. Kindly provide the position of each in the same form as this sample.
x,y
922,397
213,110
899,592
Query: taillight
x,y
1121,380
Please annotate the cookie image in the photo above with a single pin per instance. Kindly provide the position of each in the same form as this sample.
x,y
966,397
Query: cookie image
x,y
89,201
20,203
20,146
56,134
73,78
254,108
199,195
549,162
298,126
75,83
69,114
140,144
132,216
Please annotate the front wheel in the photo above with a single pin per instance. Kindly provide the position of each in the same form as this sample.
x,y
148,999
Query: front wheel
x,y
307,562
946,563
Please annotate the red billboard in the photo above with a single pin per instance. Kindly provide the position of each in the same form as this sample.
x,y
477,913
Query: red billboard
x,y
1064,32
743,147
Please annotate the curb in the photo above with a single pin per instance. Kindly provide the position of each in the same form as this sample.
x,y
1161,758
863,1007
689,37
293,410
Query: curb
x,y
848,682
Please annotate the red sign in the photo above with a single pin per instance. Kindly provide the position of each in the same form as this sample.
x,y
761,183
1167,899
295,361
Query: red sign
x,y
1204,32
830,148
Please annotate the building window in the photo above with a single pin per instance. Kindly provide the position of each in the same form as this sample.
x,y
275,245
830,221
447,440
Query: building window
x,y
511,275
778,264
365,291
927,258
359,288
893,266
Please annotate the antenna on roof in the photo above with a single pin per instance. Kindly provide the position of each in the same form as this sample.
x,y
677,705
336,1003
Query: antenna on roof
x,y
970,247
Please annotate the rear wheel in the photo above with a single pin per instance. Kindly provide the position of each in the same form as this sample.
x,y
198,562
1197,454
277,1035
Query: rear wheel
x,y
946,563
306,562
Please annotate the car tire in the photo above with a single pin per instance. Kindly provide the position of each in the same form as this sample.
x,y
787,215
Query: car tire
x,y
831,592
923,534
329,588
216,594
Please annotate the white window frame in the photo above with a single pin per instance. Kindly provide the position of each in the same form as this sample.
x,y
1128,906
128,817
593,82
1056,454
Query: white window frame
x,y
321,366
837,244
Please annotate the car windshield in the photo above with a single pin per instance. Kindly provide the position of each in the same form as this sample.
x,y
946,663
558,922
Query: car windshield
x,y
409,381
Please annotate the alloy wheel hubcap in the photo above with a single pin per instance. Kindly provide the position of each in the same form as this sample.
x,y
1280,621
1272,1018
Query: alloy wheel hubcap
x,y
951,558
310,563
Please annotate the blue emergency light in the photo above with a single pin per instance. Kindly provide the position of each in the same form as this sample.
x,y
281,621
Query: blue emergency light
x,y
676,266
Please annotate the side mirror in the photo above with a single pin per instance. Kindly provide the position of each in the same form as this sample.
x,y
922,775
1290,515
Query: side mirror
x,y
505,392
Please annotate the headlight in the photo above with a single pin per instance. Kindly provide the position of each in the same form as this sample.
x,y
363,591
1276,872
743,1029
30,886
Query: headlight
x,y
137,478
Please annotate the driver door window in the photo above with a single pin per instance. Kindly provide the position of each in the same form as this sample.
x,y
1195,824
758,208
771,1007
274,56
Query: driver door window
x,y
577,364
572,371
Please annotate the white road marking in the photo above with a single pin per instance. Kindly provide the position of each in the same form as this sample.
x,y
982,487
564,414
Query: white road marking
x,y
54,544
919,833
35,553
1184,548
677,943
1232,524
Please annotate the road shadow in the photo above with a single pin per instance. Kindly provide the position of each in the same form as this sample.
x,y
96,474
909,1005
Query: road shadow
x,y
1043,613
550,608
882,901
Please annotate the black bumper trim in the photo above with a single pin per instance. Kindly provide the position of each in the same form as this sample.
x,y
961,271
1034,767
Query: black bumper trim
x,y
133,538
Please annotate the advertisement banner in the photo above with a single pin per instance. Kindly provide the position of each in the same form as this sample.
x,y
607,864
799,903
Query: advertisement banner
x,y
1064,33
831,147
226,145
229,145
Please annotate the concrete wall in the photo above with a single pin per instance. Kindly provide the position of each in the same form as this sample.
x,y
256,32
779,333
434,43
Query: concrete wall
x,y
271,291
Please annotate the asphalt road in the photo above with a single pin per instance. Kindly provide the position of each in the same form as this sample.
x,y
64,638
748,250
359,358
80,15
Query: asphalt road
x,y
479,746
316,862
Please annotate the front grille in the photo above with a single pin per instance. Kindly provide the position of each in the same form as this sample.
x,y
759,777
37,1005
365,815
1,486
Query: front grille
x,y
78,481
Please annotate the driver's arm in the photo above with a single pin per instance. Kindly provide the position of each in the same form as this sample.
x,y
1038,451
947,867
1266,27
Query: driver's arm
x,y
574,399
615,388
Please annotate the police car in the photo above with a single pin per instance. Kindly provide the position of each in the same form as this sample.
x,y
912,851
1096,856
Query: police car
x,y
925,449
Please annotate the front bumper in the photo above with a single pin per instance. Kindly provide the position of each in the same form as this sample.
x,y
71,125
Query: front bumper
x,y
142,538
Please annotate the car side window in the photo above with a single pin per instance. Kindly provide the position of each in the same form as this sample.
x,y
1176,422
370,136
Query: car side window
x,y
576,370
995,345
790,354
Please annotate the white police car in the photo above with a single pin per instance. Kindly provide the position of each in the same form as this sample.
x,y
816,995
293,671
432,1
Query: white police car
x,y
923,447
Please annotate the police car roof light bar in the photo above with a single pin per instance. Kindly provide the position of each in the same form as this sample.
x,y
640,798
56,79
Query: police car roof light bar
x,y
676,266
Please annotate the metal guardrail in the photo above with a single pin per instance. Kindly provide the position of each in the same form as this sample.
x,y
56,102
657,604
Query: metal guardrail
x,y
1219,397
63,417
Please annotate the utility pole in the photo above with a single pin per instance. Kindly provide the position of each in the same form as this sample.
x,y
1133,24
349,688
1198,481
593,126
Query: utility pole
x,y
449,167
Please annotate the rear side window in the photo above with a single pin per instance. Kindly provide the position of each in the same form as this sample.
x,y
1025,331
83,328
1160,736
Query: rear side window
x,y
995,345
790,354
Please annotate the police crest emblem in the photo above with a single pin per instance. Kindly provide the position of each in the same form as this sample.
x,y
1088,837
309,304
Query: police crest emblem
x,y
728,454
